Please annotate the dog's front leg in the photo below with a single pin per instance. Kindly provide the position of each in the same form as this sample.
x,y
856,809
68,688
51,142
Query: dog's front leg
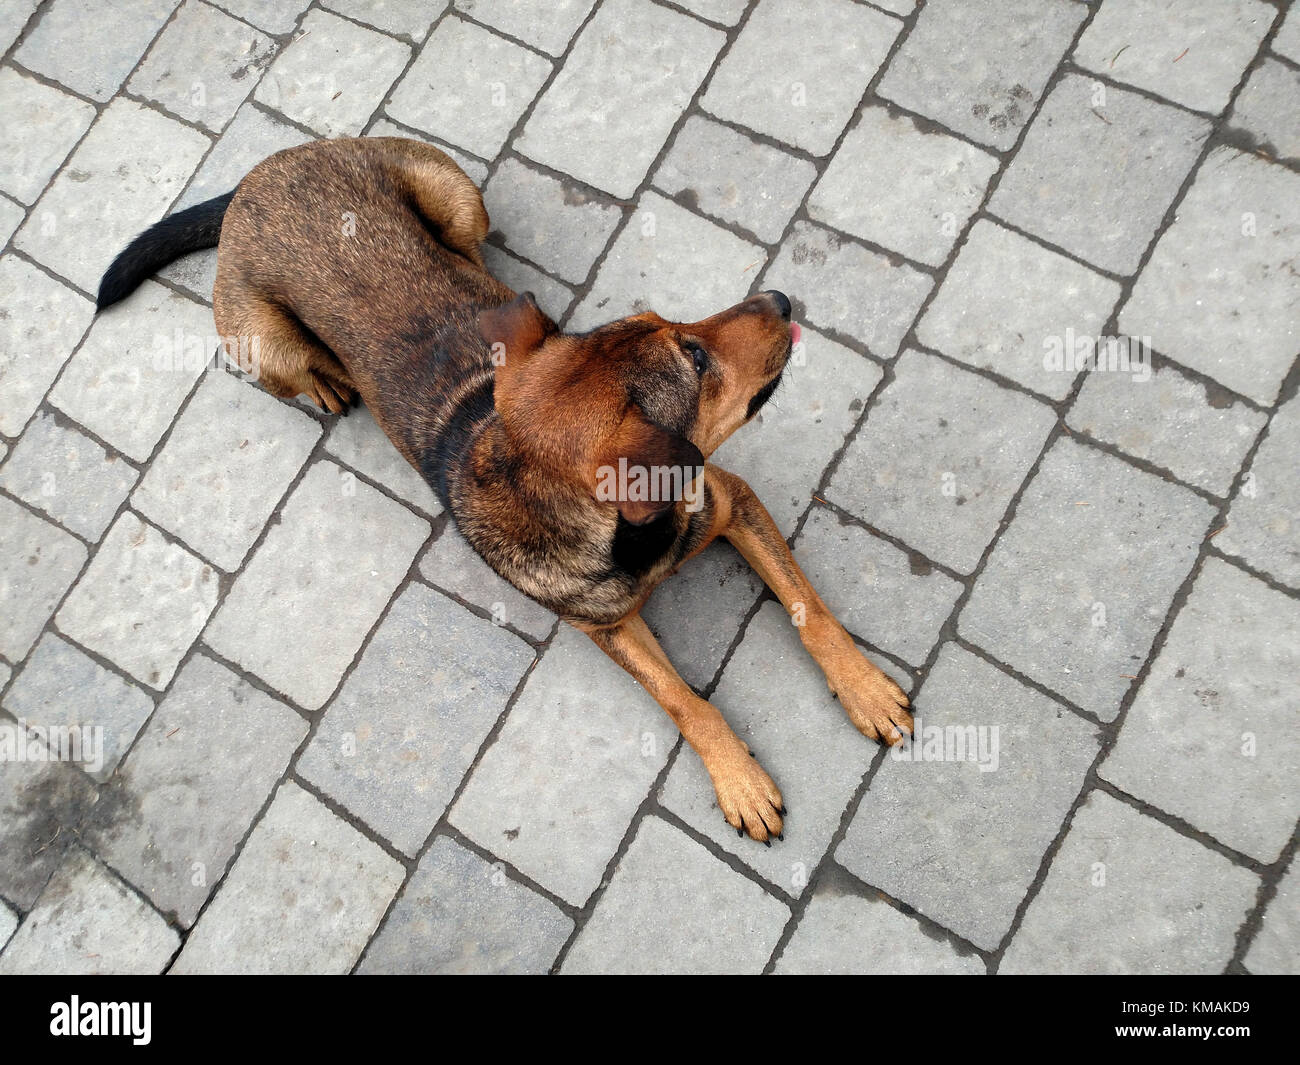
x,y
874,703
746,795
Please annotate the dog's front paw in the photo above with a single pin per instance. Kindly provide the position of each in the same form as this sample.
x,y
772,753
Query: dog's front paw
x,y
747,797
875,704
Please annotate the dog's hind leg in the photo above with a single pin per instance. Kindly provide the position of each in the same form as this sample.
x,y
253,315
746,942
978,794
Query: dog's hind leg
x,y
440,192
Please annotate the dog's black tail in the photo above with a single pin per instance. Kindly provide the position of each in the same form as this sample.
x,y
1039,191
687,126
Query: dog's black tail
x,y
178,234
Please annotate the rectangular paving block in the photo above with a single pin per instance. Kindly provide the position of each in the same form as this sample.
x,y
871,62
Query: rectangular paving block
x,y
38,561
798,69
393,746
643,269
141,603
304,896
42,124
672,907
71,44
1125,894
11,216
958,825
724,12
555,792
940,457
980,69
13,17
333,75
298,613
1266,110
1190,51
359,442
552,297
1286,41
274,16
252,136
107,193
458,914
1108,214
43,322
1275,950
1079,584
844,934
228,461
893,600
203,65
42,804
549,27
902,187
70,477
173,816
1262,527
403,18
1218,294
87,922
468,87
633,58
138,363
62,687
1211,736
839,286
1198,432
734,178
1009,305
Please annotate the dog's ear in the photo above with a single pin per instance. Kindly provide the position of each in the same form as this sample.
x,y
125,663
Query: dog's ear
x,y
645,469
514,329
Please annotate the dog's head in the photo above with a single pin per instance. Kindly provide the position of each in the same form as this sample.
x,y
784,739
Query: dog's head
x,y
657,395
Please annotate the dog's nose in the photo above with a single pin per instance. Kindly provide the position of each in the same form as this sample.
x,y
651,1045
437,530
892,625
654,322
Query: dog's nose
x,y
781,300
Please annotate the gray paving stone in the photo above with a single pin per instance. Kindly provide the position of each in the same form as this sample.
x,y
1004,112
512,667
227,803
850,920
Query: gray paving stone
x,y
549,27
1268,109
203,65
1276,949
11,217
902,188
61,686
451,564
633,58
358,442
88,922
406,18
468,87
672,907
1262,526
333,75
228,462
252,136
1287,40
37,563
1199,434
553,297
138,363
299,611
13,17
578,752
71,44
1191,51
775,697
104,196
1108,214
643,270
69,476
979,69
1217,294
726,12
556,225
41,805
958,842
1006,303
460,915
939,458
696,614
798,69
892,600
734,178
1080,582
394,745
42,124
785,450
304,896
173,816
1178,904
42,323
1211,736
141,603
274,16
8,923
837,284
476,169
846,934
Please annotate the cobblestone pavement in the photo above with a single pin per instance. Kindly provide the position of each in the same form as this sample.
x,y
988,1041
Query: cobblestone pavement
x,y
321,736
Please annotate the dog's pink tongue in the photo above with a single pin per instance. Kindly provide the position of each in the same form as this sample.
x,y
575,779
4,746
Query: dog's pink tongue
x,y
796,334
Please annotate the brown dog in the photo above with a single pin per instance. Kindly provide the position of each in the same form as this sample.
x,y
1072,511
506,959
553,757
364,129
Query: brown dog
x,y
574,464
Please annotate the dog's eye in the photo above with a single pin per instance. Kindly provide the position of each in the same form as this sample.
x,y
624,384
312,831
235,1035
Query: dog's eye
x,y
698,355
